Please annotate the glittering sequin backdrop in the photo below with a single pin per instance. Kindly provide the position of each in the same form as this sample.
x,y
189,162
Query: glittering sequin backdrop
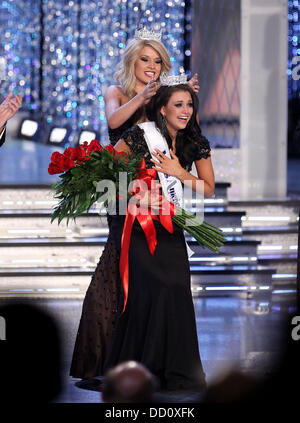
x,y
20,40
62,54
294,46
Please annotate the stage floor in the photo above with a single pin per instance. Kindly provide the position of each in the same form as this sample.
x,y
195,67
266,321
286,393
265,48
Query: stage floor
x,y
232,333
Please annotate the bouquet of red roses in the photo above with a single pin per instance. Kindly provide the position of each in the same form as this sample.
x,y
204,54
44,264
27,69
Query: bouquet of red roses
x,y
83,167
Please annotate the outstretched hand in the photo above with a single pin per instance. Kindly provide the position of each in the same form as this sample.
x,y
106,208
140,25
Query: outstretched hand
x,y
166,165
9,107
194,83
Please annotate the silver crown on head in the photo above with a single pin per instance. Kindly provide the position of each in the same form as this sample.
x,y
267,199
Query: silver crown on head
x,y
173,79
145,34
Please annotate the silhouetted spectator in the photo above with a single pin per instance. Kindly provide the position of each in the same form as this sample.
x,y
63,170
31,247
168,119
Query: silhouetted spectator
x,y
231,387
30,355
128,382
278,387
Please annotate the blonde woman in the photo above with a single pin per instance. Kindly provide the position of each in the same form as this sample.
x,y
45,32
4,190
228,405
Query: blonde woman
x,y
138,74
142,63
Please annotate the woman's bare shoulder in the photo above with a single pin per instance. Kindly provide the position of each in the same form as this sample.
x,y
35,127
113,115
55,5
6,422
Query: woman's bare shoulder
x,y
114,91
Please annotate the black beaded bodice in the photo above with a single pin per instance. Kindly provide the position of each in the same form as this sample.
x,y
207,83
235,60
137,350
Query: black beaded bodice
x,y
116,134
134,138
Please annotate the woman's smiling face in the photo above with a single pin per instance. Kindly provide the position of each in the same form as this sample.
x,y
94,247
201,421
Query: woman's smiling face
x,y
178,111
148,65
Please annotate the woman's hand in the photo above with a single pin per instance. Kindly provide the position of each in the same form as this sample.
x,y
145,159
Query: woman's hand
x,y
150,90
151,199
166,165
9,108
194,84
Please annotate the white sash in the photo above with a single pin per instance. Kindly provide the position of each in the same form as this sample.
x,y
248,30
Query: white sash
x,y
171,185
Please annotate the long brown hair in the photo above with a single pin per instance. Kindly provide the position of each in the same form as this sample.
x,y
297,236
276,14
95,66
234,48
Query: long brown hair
x,y
185,139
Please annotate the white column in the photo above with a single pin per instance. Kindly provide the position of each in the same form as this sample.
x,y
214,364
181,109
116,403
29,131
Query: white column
x,y
263,117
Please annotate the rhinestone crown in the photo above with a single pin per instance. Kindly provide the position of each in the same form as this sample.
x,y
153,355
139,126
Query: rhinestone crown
x,y
145,34
173,79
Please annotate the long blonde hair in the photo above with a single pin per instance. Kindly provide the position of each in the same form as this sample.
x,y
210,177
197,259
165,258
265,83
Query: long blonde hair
x,y
125,70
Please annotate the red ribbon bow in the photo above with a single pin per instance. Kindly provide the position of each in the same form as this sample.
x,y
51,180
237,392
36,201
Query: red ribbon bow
x,y
144,183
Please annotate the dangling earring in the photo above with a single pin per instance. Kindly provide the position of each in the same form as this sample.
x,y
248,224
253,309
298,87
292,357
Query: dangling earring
x,y
164,120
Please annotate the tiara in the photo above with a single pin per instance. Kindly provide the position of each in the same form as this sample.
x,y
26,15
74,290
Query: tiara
x,y
173,80
145,34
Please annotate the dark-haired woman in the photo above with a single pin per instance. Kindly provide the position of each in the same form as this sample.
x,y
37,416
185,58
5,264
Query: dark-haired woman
x,y
158,325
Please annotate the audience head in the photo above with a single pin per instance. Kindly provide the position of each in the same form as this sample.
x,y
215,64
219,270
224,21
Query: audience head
x,y
128,382
30,354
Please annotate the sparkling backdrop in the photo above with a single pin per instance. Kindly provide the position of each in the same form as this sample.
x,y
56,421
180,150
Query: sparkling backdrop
x,y
20,50
62,54
294,45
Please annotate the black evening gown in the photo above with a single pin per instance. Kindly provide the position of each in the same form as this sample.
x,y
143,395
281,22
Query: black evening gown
x,y
101,299
99,305
158,327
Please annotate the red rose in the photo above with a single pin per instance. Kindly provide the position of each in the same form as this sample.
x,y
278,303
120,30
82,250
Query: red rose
x,y
58,160
84,159
53,169
94,145
80,152
71,153
68,163
85,145
110,149
56,157
76,153
60,163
